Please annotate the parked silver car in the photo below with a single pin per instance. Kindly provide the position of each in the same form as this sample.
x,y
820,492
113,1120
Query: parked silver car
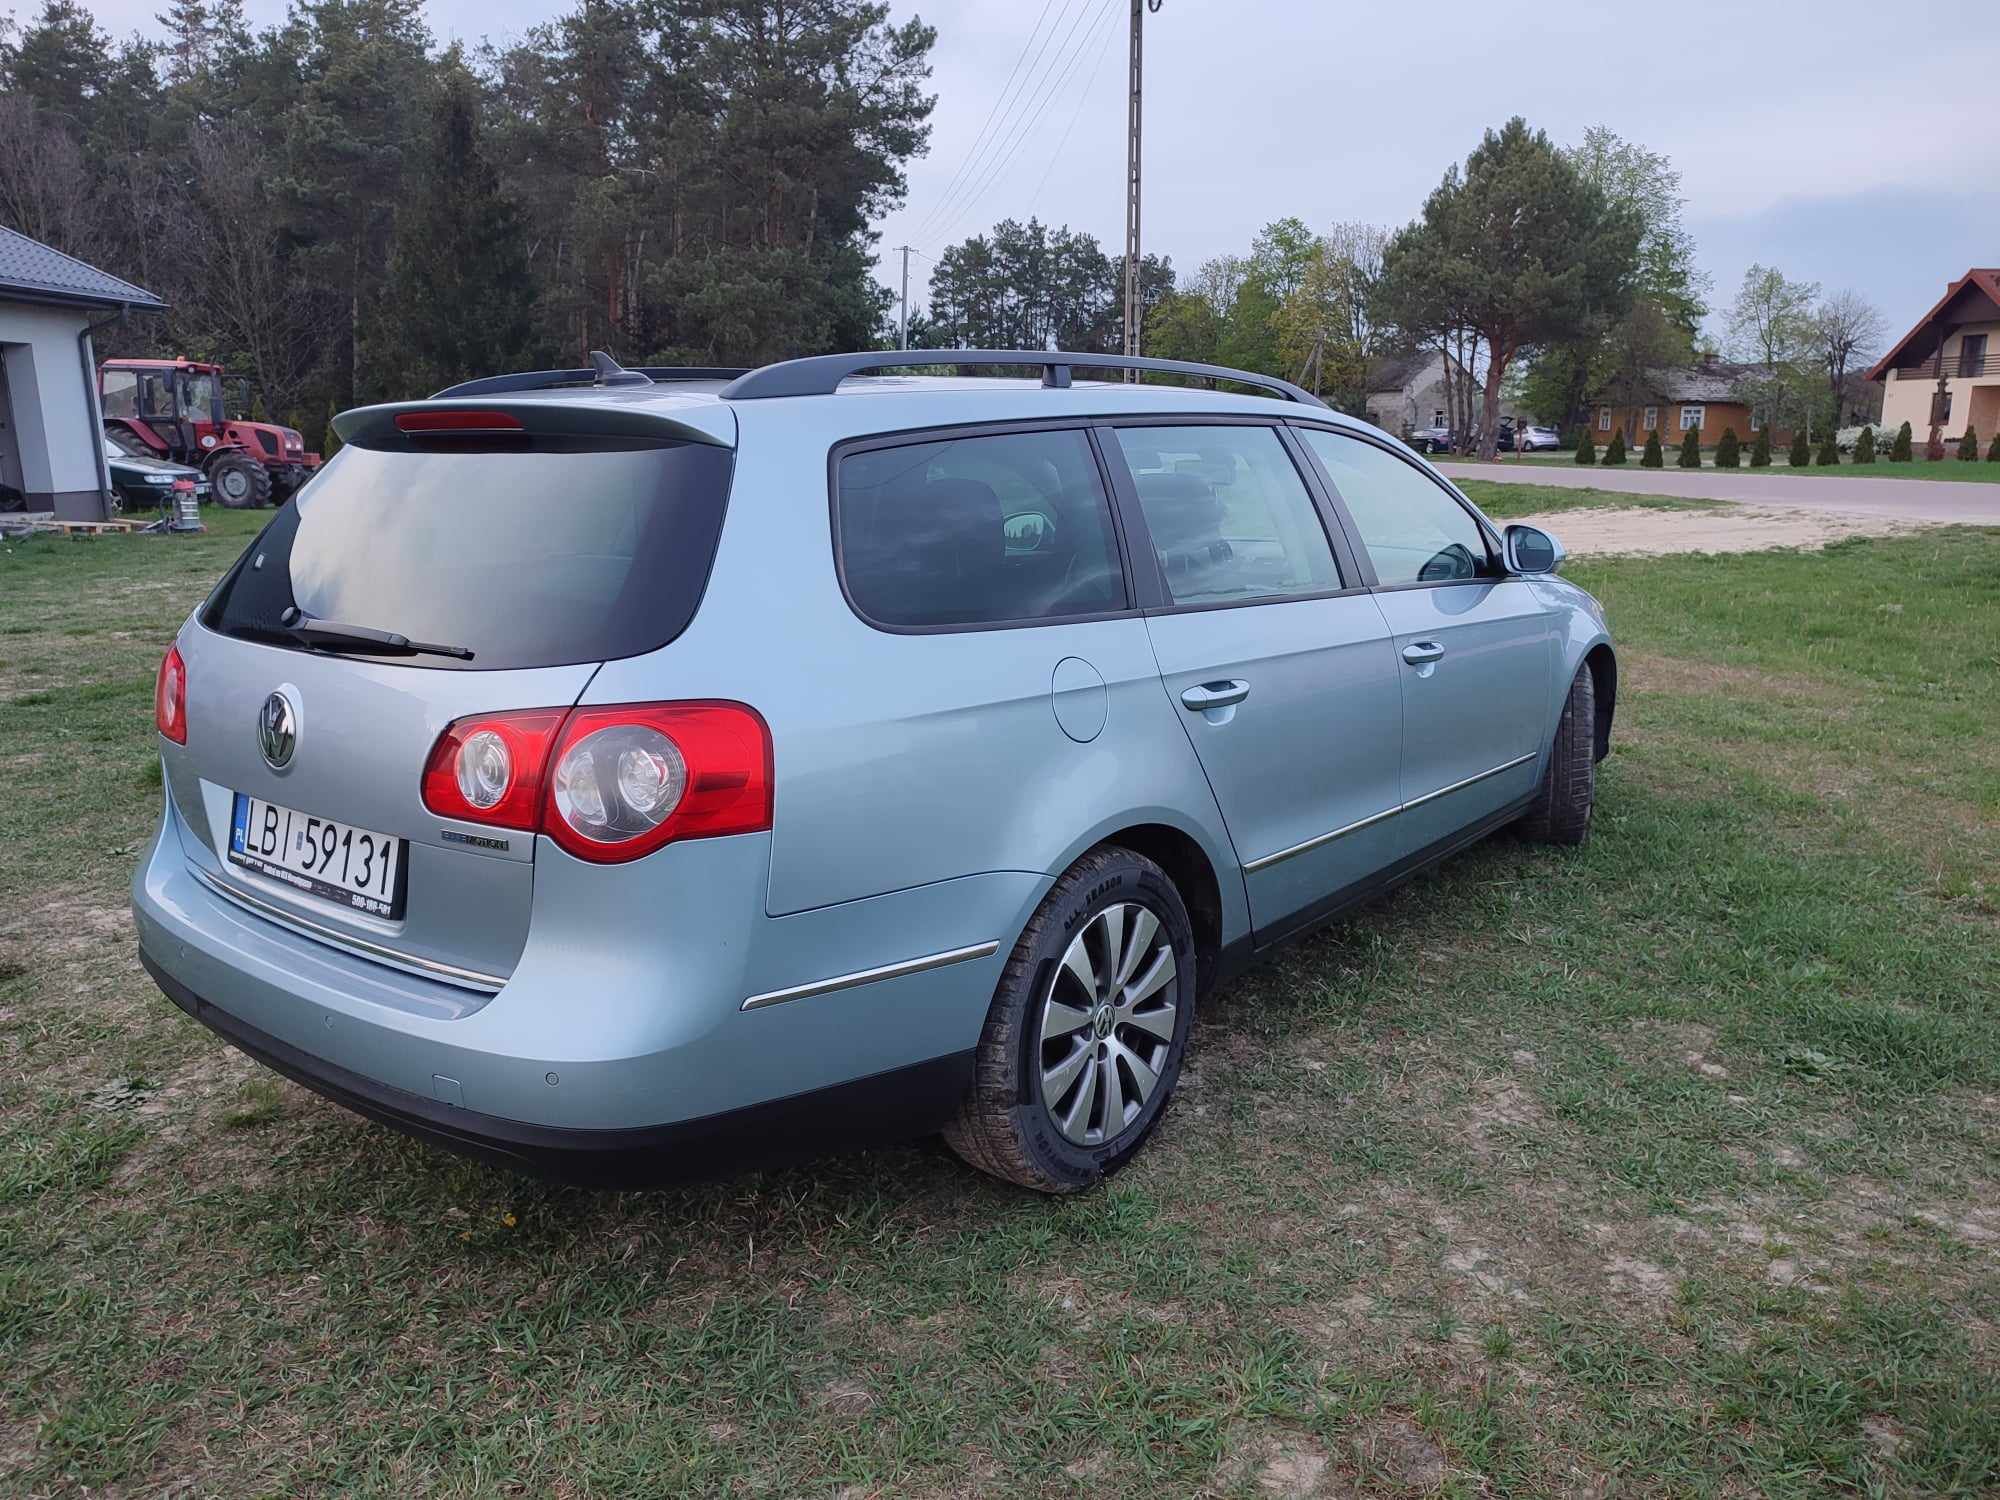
x,y
619,773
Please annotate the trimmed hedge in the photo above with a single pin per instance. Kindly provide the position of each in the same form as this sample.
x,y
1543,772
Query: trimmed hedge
x,y
1653,458
1864,446
1586,448
1801,453
1829,451
1728,452
1899,451
1691,449
1968,446
1614,451
1760,450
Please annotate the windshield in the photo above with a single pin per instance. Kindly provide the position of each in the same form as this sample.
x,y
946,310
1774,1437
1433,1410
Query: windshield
x,y
528,559
119,447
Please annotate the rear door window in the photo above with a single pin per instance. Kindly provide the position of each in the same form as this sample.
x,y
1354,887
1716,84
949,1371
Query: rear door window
x,y
525,558
1230,518
993,528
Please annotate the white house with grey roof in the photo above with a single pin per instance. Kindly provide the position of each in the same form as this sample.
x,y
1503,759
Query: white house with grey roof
x,y
51,431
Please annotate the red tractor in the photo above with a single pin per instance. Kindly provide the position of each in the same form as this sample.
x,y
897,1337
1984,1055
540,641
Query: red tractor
x,y
173,408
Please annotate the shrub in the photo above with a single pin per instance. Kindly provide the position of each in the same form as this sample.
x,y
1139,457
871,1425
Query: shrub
x,y
1801,453
1864,446
1829,450
1652,458
1760,450
1968,446
1586,448
1899,451
1993,453
1691,449
1728,452
1614,451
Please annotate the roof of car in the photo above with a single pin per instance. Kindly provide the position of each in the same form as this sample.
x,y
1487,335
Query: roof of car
x,y
710,405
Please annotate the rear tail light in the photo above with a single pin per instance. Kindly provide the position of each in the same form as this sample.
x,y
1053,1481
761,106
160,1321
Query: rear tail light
x,y
489,769
607,784
170,697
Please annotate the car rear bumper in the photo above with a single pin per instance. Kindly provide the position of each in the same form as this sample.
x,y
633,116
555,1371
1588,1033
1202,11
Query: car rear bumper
x,y
886,1107
623,1031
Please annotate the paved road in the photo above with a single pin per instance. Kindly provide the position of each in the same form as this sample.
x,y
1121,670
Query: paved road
x,y
1945,500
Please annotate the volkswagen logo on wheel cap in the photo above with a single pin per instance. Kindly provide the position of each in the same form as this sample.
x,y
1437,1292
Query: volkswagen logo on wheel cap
x,y
278,730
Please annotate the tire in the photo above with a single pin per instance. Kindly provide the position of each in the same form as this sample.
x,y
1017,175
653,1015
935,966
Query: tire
x,y
1006,1126
239,482
1560,813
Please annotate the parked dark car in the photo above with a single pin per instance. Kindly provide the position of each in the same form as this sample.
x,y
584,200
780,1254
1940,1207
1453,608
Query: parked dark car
x,y
1433,440
143,482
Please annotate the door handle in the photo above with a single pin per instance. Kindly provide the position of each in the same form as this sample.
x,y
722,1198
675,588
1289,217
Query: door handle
x,y
1215,695
1420,653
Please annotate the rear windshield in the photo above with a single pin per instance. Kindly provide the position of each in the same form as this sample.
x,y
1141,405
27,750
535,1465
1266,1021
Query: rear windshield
x,y
526,559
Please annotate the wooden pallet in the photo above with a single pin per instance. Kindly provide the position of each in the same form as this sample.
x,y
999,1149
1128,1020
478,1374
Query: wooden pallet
x,y
19,525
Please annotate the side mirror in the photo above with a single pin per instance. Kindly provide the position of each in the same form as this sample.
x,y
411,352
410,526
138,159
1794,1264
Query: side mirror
x,y
1531,551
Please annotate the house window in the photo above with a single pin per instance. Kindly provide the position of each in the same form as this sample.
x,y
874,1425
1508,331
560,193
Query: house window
x,y
1692,417
1603,419
1652,417
1437,417
1972,355
1756,421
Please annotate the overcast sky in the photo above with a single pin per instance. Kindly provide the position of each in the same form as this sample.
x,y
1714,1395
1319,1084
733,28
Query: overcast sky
x,y
1827,138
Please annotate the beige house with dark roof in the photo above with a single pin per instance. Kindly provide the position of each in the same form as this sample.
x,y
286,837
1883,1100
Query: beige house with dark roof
x,y
1960,340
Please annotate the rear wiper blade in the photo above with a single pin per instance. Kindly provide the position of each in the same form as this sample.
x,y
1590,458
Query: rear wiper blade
x,y
332,635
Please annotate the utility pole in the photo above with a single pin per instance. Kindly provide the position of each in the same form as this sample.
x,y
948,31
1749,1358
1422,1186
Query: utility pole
x,y
906,294
1133,116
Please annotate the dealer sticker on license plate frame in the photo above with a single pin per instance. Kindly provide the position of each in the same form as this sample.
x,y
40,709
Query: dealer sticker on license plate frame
x,y
357,869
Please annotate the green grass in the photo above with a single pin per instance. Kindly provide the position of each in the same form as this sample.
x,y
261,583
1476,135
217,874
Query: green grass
x,y
1949,468
1504,499
1667,1166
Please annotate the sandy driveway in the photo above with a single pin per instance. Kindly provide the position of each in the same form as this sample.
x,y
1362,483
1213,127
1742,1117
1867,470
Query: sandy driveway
x,y
1636,532
1968,503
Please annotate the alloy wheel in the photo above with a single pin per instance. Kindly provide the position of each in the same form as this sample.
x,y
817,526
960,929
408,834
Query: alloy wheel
x,y
1108,1024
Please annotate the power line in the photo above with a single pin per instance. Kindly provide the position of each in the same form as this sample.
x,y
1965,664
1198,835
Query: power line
x,y
1082,98
1057,76
979,141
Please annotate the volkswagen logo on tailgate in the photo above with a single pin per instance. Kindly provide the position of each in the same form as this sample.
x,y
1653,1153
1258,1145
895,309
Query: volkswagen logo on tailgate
x,y
278,730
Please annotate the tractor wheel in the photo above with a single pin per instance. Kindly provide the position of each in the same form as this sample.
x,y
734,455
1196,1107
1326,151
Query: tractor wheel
x,y
240,482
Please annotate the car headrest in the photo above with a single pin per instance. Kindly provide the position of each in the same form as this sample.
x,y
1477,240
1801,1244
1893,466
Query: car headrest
x,y
1180,509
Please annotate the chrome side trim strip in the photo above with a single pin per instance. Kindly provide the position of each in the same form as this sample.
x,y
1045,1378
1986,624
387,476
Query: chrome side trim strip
x,y
871,976
1446,791
1266,861
428,968
1313,843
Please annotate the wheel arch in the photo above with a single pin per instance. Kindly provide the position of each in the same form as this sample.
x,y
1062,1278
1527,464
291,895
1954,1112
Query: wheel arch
x,y
1211,889
1603,664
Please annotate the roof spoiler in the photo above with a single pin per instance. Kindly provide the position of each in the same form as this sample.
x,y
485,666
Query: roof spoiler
x,y
603,371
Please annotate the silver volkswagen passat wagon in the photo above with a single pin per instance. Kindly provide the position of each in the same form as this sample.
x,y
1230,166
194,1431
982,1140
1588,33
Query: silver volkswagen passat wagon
x,y
620,773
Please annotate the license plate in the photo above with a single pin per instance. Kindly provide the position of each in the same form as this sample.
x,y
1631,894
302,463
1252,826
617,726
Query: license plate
x,y
354,868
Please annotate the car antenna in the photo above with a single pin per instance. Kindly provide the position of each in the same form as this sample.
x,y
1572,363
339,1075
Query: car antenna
x,y
610,372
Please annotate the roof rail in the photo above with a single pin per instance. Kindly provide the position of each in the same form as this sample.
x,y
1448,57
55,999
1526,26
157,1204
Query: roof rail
x,y
548,380
822,374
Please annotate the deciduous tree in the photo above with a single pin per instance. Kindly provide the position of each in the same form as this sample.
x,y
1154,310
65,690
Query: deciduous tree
x,y
1517,247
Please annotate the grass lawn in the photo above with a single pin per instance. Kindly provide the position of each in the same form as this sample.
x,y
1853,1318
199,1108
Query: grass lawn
x,y
1503,500
1668,1166
1949,468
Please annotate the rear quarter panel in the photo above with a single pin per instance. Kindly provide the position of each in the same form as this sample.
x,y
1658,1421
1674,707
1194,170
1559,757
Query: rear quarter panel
x,y
903,760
